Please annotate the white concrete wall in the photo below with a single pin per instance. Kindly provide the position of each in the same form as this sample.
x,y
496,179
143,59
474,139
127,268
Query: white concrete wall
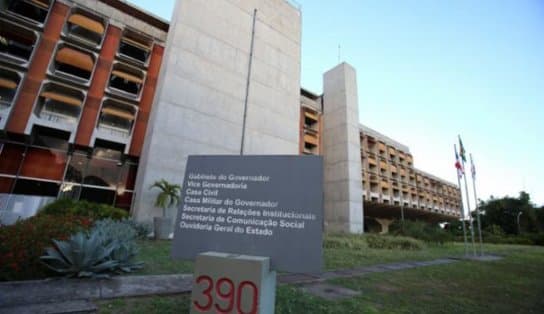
x,y
198,108
342,151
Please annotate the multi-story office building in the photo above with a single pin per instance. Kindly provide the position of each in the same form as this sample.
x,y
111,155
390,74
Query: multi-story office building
x,y
392,188
77,81
96,104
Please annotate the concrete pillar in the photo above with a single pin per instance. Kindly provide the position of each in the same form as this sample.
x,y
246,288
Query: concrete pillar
x,y
342,152
148,94
37,69
199,104
385,223
101,76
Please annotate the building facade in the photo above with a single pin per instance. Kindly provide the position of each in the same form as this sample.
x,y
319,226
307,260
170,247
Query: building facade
x,y
99,98
77,81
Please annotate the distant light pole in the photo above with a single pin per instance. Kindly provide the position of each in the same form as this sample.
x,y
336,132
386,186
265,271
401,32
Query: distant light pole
x,y
519,227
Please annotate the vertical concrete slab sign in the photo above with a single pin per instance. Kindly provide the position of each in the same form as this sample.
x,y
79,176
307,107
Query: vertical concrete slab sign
x,y
206,80
342,151
254,205
230,283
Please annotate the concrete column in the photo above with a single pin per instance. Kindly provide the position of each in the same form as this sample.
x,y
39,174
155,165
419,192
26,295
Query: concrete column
x,y
148,94
385,223
101,76
342,151
22,109
199,104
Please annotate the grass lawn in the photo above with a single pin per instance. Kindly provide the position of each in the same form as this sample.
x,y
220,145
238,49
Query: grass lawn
x,y
514,284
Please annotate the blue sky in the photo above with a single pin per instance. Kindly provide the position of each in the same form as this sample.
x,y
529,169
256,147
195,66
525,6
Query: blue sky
x,y
430,70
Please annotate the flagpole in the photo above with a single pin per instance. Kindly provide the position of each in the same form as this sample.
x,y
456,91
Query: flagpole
x,y
462,204
473,171
468,201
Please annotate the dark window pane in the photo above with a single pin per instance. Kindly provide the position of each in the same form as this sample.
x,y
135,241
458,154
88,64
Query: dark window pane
x,y
124,85
123,200
76,168
66,68
128,176
51,138
108,150
133,52
97,195
102,172
10,158
32,187
44,164
5,184
28,10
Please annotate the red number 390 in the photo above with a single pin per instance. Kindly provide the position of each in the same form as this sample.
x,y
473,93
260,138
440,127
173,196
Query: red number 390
x,y
225,290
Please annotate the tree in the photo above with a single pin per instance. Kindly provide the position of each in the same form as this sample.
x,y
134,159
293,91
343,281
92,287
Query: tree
x,y
168,196
504,212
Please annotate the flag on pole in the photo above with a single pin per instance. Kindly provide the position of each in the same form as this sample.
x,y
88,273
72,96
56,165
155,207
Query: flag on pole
x,y
458,165
472,167
462,150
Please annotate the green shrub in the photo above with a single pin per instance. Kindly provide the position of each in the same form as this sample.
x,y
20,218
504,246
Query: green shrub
x,y
522,239
22,243
115,230
495,230
83,208
431,233
391,243
142,229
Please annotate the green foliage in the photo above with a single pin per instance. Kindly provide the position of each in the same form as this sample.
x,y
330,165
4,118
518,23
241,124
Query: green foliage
x,y
142,229
504,212
115,230
22,243
344,242
494,230
108,248
391,243
431,233
123,236
168,195
95,211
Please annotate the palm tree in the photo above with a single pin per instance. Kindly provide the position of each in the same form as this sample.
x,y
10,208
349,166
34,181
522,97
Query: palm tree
x,y
169,195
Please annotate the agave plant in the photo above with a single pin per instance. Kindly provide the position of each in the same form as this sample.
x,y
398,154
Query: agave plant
x,y
124,254
81,256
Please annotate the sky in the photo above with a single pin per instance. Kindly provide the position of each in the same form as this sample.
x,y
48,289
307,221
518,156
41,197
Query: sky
x,y
428,71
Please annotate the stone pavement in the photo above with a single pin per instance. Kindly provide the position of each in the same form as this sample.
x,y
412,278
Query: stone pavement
x,y
73,295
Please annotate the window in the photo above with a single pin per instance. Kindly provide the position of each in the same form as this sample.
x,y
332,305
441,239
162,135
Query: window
x,y
72,63
36,187
35,10
16,43
135,46
9,82
59,103
126,80
85,27
117,118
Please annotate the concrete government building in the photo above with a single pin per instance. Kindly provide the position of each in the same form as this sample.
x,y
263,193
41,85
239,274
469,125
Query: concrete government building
x,y
99,99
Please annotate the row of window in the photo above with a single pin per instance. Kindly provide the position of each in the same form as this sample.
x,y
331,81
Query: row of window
x,y
72,64
49,167
84,26
311,132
